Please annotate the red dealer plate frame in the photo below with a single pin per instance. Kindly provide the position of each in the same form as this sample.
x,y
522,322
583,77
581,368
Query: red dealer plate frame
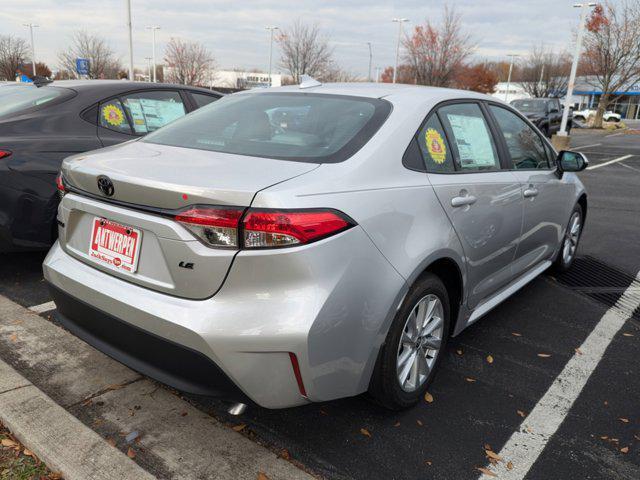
x,y
115,245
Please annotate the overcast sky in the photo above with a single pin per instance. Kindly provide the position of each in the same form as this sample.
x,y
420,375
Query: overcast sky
x,y
234,31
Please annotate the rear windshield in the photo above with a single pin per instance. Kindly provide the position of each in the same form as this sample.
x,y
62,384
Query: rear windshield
x,y
530,105
19,100
317,128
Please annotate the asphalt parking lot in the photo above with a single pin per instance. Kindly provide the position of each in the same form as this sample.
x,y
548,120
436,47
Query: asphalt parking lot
x,y
495,373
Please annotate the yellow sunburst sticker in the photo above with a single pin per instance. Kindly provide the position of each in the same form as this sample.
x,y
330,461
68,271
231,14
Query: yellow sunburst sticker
x,y
436,146
113,115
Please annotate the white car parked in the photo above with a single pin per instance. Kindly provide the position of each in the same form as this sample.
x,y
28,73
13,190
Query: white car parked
x,y
583,115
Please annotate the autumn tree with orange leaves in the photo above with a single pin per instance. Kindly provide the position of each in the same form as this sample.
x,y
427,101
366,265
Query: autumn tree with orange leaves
x,y
436,53
479,77
612,51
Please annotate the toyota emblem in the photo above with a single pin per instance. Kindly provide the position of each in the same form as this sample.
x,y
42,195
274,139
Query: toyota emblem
x,y
105,185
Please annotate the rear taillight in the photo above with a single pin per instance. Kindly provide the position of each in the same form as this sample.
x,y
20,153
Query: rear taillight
x,y
268,229
60,185
4,154
215,226
226,226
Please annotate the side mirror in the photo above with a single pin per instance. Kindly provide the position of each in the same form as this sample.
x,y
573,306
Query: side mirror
x,y
569,161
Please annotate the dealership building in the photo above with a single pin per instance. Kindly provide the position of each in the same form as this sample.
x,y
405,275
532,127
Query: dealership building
x,y
586,94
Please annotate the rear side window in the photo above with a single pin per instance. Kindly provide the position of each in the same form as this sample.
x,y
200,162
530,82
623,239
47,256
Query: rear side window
x,y
471,138
434,148
151,110
20,100
201,99
525,146
304,127
112,116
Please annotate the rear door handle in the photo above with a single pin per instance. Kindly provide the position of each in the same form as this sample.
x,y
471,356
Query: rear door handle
x,y
530,192
463,201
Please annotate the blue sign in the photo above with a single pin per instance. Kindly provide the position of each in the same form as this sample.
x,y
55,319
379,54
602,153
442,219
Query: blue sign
x,y
82,66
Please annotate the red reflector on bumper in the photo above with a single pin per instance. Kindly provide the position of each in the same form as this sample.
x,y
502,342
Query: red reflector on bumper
x,y
298,375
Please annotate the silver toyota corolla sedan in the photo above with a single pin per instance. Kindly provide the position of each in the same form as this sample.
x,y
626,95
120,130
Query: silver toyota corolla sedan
x,y
307,243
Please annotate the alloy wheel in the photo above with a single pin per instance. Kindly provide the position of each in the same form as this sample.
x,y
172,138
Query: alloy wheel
x,y
420,343
571,238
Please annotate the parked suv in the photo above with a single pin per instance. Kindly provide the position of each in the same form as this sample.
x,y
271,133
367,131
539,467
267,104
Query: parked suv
x,y
608,116
544,113
303,244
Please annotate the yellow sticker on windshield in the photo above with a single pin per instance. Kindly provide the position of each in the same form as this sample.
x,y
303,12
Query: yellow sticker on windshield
x,y
436,146
113,115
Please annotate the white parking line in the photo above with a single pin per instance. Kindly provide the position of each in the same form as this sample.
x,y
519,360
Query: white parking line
x,y
525,446
587,146
619,159
45,307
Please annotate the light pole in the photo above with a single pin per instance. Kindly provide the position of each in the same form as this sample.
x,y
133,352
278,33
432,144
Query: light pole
x,y
512,56
377,74
148,59
130,40
153,29
399,21
33,47
370,60
271,29
574,67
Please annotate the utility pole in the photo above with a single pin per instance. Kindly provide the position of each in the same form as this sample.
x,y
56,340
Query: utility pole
x,y
574,67
153,29
399,21
33,47
370,60
130,40
271,29
512,56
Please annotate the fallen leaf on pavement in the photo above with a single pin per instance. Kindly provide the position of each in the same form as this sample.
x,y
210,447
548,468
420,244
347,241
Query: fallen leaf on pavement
x,y
459,352
428,463
521,413
239,428
131,453
578,351
13,338
365,432
184,414
624,449
428,397
323,412
493,455
544,355
486,471
636,437
9,443
28,453
624,420
489,359
470,380
87,402
628,334
115,386
487,446
419,422
285,454
397,424
262,476
515,334
604,437
509,465
111,442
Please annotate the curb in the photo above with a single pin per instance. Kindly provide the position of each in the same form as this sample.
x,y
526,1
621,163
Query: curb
x,y
60,440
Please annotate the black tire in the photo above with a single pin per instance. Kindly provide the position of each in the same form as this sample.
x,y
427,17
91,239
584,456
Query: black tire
x,y
385,386
561,263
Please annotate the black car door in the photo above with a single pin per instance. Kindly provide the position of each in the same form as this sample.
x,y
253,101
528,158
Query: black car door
x,y
135,114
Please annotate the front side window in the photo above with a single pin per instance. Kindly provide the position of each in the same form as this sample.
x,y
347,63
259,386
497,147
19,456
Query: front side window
x,y
305,127
154,109
434,148
113,117
524,144
202,99
470,136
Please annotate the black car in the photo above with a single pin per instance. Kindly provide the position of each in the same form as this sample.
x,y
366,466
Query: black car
x,y
545,113
39,127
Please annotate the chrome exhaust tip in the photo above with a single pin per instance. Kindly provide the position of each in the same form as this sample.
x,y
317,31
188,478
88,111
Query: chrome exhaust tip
x,y
237,409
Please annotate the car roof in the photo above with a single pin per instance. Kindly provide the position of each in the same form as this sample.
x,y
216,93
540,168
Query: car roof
x,y
116,86
382,90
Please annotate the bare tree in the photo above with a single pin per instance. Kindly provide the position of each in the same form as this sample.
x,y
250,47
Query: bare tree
x,y
13,51
335,73
544,73
103,62
189,63
435,52
612,51
305,51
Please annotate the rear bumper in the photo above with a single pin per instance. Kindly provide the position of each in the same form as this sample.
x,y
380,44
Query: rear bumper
x,y
329,303
166,361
